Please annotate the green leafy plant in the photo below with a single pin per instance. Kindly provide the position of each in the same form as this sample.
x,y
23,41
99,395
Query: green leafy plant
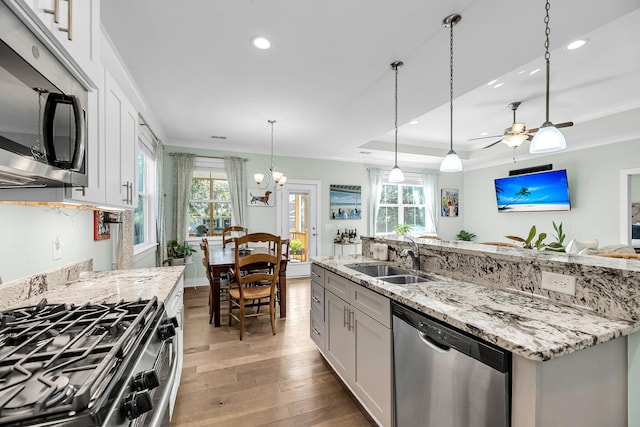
x,y
295,245
183,250
558,245
401,229
531,241
465,236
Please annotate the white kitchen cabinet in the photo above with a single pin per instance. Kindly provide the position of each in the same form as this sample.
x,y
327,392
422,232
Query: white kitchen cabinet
x,y
175,308
121,128
75,25
358,342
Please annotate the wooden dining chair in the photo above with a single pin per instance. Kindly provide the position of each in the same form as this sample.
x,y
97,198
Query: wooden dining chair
x,y
229,234
252,285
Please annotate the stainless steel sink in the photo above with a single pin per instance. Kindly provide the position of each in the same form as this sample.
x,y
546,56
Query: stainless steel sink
x,y
379,270
404,279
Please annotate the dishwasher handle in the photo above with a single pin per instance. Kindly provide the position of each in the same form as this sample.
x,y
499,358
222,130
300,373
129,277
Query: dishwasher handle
x,y
435,346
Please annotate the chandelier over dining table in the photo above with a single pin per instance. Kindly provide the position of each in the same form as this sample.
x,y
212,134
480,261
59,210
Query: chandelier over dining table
x,y
275,178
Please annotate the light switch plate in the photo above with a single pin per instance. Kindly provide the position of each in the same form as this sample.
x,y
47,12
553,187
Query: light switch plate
x,y
559,282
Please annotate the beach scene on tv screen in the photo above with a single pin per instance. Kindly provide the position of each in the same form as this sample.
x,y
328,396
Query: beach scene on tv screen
x,y
546,191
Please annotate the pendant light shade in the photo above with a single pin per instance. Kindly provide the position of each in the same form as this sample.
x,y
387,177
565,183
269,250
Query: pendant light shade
x,y
451,162
396,176
548,138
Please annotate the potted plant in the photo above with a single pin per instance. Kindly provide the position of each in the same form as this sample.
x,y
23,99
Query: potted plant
x,y
185,251
465,236
401,229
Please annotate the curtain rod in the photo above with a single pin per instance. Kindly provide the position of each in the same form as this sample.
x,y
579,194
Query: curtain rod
x,y
205,157
146,124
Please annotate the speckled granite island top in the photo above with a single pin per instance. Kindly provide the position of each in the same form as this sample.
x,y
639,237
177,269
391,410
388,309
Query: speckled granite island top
x,y
110,286
531,327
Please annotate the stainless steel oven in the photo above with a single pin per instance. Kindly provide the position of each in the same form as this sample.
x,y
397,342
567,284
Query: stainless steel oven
x,y
90,365
43,115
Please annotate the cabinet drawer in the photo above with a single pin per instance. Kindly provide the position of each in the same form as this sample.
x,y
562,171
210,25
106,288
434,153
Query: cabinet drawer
x,y
317,300
340,286
376,306
316,330
317,274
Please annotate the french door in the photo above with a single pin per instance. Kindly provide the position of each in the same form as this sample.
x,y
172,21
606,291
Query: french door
x,y
297,211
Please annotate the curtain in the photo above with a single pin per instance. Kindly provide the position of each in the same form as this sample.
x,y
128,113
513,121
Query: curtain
x,y
161,238
234,168
182,178
375,191
430,186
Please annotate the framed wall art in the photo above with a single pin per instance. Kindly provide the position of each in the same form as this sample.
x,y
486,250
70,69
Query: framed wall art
x,y
259,197
345,201
449,202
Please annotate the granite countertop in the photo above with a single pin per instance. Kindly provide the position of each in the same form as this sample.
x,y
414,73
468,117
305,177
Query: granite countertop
x,y
110,286
531,327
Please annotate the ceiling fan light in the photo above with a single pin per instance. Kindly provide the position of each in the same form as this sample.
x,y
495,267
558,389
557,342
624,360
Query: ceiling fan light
x,y
258,177
396,175
547,140
451,163
515,140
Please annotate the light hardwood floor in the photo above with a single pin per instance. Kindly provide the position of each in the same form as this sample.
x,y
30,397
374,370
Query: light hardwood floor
x,y
279,380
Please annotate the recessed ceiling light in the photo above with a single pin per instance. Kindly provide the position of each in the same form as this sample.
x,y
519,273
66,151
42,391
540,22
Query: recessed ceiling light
x,y
492,82
498,85
521,72
534,71
260,42
413,122
484,134
576,44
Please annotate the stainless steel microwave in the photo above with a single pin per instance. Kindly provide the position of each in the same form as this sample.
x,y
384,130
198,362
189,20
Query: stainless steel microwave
x,y
43,115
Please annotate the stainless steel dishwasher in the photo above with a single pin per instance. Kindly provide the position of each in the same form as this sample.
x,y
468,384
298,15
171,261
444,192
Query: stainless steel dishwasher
x,y
445,377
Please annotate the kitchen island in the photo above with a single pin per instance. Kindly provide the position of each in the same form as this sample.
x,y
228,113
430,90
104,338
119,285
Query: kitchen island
x,y
569,364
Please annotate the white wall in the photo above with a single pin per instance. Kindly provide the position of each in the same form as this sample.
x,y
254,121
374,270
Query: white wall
x,y
27,233
593,175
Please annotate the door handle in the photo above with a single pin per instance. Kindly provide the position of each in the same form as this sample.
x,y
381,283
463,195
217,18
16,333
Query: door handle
x,y
352,320
68,30
433,346
315,299
345,317
55,11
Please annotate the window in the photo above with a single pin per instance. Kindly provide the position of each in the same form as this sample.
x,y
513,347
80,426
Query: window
x,y
404,204
210,202
144,225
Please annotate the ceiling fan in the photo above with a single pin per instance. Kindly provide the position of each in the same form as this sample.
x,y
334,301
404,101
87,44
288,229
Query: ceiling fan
x,y
517,134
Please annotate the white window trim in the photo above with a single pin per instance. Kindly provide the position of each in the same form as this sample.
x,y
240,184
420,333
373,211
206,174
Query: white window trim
x,y
147,148
414,179
206,164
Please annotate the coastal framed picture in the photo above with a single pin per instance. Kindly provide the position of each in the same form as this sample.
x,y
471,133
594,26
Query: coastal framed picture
x,y
345,201
449,202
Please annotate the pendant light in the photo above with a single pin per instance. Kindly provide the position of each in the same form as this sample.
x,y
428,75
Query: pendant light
x,y
276,178
548,138
396,175
451,162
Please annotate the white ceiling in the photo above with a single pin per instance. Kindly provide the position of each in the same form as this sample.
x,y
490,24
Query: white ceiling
x,y
327,81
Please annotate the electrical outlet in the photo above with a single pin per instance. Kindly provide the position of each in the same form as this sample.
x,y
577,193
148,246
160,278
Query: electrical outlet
x,y
57,248
559,282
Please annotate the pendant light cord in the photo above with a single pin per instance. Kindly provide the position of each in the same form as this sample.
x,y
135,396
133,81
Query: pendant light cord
x,y
547,55
271,121
451,87
396,116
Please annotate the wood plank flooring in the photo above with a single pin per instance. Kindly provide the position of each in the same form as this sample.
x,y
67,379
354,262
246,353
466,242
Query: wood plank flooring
x,y
279,380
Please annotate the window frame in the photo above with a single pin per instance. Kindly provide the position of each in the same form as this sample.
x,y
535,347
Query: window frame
x,y
146,197
413,180
215,168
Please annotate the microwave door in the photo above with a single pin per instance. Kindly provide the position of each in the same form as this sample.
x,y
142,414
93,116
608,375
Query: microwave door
x,y
64,133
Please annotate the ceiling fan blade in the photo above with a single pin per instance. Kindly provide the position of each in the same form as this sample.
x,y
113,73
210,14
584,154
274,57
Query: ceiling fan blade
x,y
559,125
485,137
491,145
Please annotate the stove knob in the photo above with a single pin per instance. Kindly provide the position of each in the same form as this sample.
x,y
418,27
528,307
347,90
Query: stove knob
x,y
146,380
166,331
137,403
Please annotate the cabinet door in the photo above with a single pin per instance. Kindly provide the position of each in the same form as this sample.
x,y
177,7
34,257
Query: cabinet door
x,y
373,366
317,300
120,139
75,25
316,329
338,285
339,347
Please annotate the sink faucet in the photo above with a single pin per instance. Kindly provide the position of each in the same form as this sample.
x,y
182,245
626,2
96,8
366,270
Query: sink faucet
x,y
414,254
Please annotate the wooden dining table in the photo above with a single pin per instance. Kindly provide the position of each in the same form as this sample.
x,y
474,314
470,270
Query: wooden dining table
x,y
220,260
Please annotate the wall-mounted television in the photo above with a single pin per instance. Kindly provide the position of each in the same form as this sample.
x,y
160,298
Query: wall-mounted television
x,y
543,191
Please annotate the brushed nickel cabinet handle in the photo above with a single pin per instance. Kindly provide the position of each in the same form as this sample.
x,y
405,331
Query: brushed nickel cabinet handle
x,y
81,189
131,193
126,187
345,317
69,28
55,11
352,320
